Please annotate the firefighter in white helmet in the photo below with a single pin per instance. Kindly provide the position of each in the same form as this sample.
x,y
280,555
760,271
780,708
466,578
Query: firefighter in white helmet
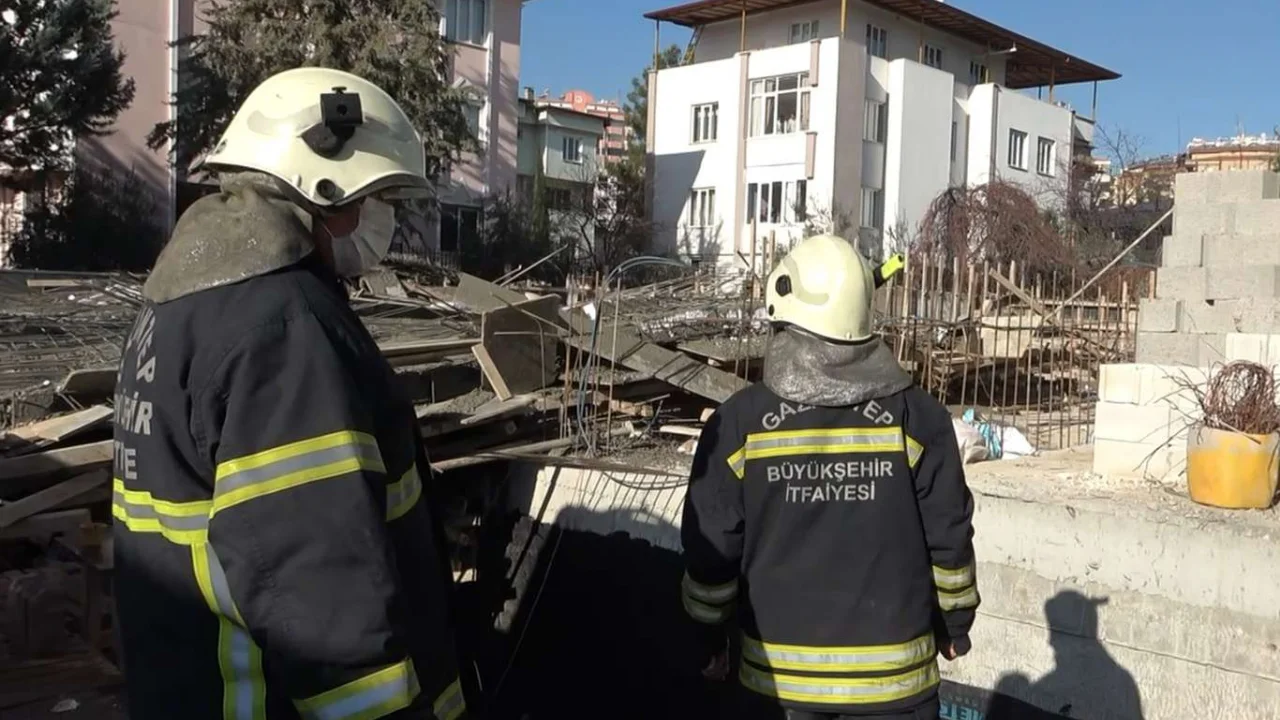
x,y
827,510
276,548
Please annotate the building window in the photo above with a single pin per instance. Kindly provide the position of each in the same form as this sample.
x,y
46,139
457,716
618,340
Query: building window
x,y
954,130
702,207
872,209
472,111
780,104
978,73
877,41
875,121
459,227
572,149
464,21
777,202
705,122
804,32
1046,156
933,56
1017,149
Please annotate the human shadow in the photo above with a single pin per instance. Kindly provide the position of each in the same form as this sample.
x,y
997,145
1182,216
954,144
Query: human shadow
x,y
1085,680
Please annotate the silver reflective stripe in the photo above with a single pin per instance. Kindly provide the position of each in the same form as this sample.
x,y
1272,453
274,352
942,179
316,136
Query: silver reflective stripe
x,y
403,494
953,579
309,460
840,691
712,594
704,613
959,601
168,521
243,686
839,659
839,440
451,703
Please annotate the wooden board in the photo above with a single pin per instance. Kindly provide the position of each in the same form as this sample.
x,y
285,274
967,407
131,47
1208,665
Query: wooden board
x,y
71,459
52,497
29,438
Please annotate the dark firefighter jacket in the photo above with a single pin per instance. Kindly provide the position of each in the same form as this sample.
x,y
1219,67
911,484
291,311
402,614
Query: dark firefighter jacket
x,y
842,537
275,557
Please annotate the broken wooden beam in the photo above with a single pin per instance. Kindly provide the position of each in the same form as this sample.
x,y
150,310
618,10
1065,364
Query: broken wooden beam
x,y
51,497
70,459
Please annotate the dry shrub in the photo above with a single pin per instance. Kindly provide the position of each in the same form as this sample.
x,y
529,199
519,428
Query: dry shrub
x,y
1241,397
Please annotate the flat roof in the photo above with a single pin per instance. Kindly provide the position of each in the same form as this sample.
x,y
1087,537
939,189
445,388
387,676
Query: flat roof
x,y
1033,64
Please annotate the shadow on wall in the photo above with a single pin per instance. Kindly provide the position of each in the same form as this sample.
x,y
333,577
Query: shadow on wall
x,y
674,177
1083,673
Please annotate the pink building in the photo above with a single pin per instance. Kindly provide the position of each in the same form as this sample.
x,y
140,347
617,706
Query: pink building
x,y
485,35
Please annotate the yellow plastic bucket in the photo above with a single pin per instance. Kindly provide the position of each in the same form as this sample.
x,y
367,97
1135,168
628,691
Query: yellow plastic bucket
x,y
1230,469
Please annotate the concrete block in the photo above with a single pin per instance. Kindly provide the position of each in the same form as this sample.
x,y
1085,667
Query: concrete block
x,y
1236,248
1132,423
1158,461
1159,315
1181,283
1246,346
1211,349
1196,220
1253,315
1182,251
1229,282
1225,186
1168,348
1259,217
1206,316
1120,383
1176,388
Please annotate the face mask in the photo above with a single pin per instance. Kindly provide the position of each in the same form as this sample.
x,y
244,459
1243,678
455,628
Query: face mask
x,y
364,248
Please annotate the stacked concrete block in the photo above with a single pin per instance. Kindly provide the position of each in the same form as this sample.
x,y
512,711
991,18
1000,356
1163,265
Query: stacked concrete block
x,y
1220,270
1143,414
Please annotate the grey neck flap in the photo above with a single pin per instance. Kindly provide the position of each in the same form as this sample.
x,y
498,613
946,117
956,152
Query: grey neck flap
x,y
806,369
250,228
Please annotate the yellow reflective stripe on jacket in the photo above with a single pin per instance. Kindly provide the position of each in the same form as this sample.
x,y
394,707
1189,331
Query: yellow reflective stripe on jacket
x,y
914,452
297,463
375,695
738,462
244,692
957,588
713,594
182,523
819,441
706,613
450,704
867,658
403,493
840,691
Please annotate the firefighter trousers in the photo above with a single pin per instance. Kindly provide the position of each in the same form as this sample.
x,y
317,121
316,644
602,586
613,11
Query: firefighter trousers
x,y
756,707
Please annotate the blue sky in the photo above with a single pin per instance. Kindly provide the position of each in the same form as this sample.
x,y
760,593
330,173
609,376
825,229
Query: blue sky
x,y
1189,68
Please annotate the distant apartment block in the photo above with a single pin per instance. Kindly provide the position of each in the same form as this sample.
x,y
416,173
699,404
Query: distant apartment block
x,y
560,148
789,112
1242,152
617,137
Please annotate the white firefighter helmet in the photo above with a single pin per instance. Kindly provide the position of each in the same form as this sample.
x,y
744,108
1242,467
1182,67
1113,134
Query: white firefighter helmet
x,y
823,286
333,136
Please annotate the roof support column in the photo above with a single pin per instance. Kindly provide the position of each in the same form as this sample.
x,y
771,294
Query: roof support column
x,y
844,16
742,29
1053,72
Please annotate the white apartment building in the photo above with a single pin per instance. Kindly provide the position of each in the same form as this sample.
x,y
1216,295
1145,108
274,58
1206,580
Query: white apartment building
x,y
788,113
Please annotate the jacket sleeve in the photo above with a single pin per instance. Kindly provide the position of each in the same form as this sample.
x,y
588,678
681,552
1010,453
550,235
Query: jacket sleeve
x,y
946,509
711,529
298,552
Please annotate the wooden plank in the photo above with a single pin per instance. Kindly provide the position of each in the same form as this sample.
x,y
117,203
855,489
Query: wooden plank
x,y
49,498
46,432
79,457
502,408
493,376
671,367
521,341
422,347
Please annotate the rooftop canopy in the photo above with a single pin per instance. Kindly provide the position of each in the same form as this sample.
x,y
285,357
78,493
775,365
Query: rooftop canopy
x,y
1031,64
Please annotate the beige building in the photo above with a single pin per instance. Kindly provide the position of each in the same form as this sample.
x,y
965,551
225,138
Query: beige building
x,y
484,34
1242,152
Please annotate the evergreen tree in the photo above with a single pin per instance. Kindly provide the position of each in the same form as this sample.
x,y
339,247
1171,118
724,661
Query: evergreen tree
x,y
636,109
393,43
59,80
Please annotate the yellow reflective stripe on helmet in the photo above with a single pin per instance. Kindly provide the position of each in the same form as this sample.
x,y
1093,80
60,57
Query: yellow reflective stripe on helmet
x,y
403,494
867,658
712,594
244,693
292,465
840,691
738,462
183,523
450,704
375,695
947,579
815,441
914,452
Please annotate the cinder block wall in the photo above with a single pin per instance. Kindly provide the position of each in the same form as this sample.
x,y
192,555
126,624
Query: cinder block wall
x,y
1220,269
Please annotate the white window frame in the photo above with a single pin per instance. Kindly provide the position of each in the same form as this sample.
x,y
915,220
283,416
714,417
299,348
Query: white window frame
x,y
473,112
570,143
872,210
1046,156
706,123
877,41
1017,149
803,32
765,99
875,121
466,21
979,74
778,202
702,207
933,56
